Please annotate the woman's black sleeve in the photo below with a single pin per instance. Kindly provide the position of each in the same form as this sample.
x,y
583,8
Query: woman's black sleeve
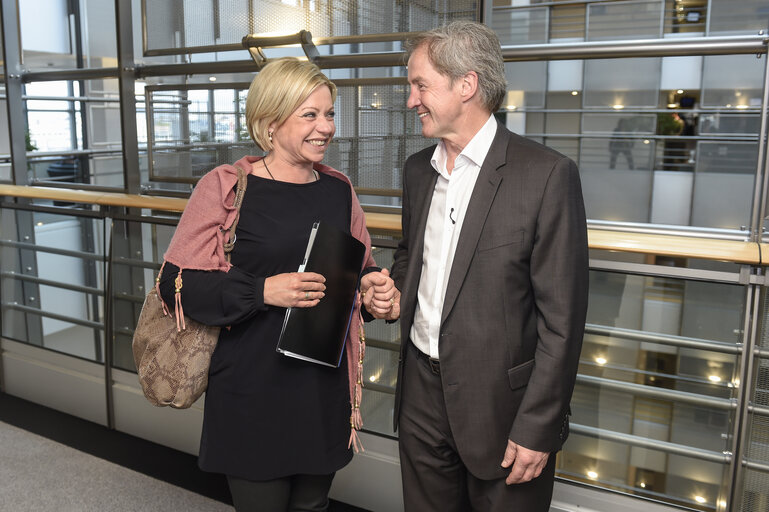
x,y
215,297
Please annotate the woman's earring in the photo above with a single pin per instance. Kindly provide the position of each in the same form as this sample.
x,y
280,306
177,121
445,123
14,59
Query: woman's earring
x,y
269,135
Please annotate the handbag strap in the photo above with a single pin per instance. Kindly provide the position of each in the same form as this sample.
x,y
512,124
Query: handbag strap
x,y
240,191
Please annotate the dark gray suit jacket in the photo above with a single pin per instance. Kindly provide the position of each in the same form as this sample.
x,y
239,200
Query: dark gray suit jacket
x,y
516,300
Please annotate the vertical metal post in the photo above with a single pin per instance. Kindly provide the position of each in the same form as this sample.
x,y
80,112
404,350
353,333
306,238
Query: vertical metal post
x,y
485,12
762,176
108,227
14,90
131,171
742,415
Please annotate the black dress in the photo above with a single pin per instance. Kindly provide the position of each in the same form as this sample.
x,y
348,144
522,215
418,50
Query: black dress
x,y
267,415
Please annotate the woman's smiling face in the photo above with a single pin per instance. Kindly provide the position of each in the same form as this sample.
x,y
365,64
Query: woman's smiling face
x,y
305,135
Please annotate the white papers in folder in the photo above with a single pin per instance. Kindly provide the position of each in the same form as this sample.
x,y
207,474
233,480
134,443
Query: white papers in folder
x,y
307,252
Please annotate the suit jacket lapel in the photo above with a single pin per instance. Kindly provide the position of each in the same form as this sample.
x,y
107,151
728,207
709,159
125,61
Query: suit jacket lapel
x,y
414,270
478,209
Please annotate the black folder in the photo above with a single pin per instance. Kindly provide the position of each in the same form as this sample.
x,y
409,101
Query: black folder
x,y
317,334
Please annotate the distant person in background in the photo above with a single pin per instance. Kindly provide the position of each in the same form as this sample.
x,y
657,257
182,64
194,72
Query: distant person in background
x,y
278,427
620,144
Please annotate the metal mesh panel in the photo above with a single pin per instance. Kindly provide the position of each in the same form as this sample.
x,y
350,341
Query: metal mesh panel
x,y
756,495
758,449
181,24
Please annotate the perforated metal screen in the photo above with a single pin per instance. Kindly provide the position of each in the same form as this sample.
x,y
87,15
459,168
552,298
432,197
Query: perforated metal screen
x,y
756,484
181,24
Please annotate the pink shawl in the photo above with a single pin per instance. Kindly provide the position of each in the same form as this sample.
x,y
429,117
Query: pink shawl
x,y
198,244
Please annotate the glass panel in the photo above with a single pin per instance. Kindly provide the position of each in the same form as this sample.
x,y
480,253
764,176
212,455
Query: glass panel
x,y
616,176
520,26
631,124
52,293
738,16
624,388
732,81
194,130
624,20
76,139
55,37
526,84
723,184
622,83
729,124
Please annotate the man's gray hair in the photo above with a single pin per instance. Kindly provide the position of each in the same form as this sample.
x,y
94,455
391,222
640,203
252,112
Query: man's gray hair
x,y
463,46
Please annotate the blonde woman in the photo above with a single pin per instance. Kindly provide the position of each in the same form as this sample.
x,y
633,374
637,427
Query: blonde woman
x,y
278,427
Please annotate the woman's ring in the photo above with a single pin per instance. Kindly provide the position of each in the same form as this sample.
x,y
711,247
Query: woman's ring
x,y
392,302
306,295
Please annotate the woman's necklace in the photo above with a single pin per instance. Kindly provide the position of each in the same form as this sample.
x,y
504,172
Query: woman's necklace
x,y
264,161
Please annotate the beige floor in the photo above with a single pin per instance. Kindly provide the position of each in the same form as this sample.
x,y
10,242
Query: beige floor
x,y
40,475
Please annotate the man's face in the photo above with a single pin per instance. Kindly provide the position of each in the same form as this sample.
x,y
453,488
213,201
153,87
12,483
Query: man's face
x,y
437,102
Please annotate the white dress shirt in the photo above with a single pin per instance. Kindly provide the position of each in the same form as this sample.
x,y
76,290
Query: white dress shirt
x,y
451,197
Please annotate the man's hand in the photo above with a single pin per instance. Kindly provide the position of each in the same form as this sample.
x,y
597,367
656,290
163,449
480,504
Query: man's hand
x,y
526,464
380,296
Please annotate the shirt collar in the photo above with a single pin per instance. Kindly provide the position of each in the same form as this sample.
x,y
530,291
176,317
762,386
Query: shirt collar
x,y
475,151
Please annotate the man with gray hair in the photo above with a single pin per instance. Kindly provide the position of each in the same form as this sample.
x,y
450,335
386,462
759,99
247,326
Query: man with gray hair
x,y
493,275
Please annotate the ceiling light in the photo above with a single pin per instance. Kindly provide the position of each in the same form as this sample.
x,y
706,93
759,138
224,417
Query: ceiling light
x,y
700,499
618,106
574,93
680,91
600,360
714,378
212,79
643,485
592,474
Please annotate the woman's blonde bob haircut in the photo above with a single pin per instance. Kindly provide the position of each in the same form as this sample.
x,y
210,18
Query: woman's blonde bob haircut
x,y
277,91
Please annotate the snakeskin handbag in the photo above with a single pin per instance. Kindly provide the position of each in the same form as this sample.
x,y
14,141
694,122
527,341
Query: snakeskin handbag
x,y
172,358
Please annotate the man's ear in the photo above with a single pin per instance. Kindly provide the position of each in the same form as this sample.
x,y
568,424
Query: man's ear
x,y
469,84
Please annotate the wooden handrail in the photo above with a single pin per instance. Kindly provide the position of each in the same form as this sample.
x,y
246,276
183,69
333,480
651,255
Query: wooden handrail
x,y
390,224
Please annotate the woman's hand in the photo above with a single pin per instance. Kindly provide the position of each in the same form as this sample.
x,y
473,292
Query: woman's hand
x,y
380,296
294,290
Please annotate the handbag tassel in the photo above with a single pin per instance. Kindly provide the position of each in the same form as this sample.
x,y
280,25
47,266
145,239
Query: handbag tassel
x,y
356,420
178,310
